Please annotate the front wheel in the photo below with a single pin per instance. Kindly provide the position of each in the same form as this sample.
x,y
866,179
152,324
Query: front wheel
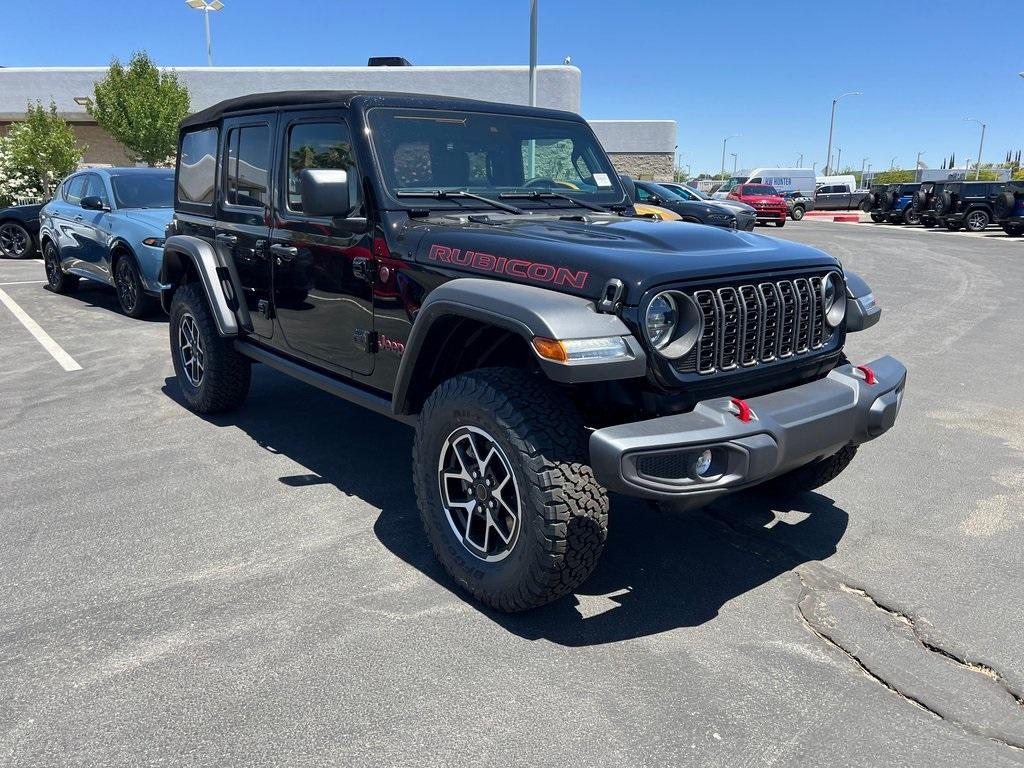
x,y
213,377
910,216
977,221
816,474
56,279
798,213
510,506
878,218
15,241
133,299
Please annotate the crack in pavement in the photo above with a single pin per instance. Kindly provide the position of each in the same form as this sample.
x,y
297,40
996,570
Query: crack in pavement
x,y
893,646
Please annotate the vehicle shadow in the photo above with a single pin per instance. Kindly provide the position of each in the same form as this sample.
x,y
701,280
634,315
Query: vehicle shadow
x,y
660,571
96,295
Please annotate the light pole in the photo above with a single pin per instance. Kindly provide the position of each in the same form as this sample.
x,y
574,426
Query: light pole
x,y
917,167
800,162
862,164
839,154
531,162
724,142
734,161
832,125
207,8
977,173
892,163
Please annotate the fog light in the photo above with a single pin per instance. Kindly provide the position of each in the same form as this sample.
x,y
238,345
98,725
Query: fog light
x,y
703,463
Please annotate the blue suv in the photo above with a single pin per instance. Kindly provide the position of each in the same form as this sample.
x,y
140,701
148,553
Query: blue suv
x,y
107,225
893,203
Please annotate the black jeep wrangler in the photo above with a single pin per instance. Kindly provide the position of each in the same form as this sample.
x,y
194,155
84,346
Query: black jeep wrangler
x,y
892,203
969,204
1008,205
473,269
924,202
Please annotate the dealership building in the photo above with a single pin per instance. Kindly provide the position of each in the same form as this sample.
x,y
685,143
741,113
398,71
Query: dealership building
x,y
642,148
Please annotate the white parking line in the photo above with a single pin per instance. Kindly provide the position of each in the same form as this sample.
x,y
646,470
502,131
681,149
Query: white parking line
x,y
24,282
56,351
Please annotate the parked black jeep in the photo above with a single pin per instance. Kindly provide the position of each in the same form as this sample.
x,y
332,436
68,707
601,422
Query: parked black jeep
x,y
1008,205
474,270
924,202
969,204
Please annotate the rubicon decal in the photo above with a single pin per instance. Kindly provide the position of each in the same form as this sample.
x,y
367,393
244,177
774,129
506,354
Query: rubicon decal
x,y
536,271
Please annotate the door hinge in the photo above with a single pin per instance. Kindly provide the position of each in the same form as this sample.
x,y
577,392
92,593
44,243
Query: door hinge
x,y
365,340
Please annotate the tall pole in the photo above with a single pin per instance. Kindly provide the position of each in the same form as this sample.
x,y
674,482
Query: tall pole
x,y
839,154
209,45
917,167
800,162
724,142
831,128
735,159
862,164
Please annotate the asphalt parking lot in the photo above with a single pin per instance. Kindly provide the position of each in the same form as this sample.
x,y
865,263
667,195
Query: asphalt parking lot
x,y
255,589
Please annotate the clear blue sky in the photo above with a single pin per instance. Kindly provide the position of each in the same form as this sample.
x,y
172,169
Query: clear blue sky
x,y
767,71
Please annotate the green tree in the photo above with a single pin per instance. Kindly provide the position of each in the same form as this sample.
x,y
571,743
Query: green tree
x,y
141,107
43,147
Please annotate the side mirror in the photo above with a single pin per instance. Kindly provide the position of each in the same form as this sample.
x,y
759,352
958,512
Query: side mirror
x,y
627,182
93,203
328,192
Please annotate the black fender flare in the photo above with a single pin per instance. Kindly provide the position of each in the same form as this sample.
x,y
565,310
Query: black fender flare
x,y
528,311
862,311
184,255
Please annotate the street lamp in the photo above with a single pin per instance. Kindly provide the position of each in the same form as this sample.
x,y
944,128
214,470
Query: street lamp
x,y
839,154
832,126
724,142
977,173
800,162
207,7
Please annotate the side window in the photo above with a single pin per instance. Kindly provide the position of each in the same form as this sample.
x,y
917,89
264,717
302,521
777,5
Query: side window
x,y
755,180
315,145
248,165
94,188
642,194
74,190
197,167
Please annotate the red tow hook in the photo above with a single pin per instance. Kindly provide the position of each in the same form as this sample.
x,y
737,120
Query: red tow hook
x,y
743,410
869,375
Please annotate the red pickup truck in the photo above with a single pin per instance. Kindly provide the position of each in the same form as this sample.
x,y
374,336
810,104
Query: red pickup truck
x,y
767,202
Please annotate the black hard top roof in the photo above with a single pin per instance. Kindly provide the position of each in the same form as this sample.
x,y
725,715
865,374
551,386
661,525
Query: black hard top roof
x,y
294,99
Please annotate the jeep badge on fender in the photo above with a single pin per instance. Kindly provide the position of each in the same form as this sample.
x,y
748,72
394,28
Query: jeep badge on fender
x,y
477,270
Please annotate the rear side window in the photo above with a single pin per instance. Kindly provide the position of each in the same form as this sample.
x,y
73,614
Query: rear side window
x,y
248,165
197,167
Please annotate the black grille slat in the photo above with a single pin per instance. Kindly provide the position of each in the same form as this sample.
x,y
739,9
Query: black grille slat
x,y
748,324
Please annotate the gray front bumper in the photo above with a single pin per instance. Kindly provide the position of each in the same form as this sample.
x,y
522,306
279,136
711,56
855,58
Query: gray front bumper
x,y
654,459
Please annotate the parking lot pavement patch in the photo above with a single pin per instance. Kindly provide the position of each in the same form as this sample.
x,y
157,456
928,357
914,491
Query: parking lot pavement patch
x,y
56,350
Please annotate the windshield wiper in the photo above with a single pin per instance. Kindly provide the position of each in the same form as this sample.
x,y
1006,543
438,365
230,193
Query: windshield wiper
x,y
445,194
539,195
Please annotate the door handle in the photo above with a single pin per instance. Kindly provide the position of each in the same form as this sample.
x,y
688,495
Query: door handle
x,y
79,218
226,238
284,252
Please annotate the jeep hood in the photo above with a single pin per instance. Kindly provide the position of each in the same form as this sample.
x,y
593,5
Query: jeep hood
x,y
579,255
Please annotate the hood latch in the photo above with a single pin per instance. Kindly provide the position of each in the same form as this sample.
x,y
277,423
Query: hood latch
x,y
611,297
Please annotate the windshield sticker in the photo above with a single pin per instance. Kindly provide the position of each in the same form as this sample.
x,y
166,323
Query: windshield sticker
x,y
602,180
526,270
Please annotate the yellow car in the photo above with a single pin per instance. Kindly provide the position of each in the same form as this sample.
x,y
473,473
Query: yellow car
x,y
655,212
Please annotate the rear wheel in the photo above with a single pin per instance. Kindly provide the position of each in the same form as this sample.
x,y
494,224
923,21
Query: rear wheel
x,y
953,227
1013,230
798,212
212,376
509,504
927,223
134,301
878,218
15,241
780,222
977,220
57,280
910,216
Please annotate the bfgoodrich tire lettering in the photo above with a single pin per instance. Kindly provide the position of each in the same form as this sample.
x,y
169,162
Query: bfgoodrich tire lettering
x,y
564,517
221,382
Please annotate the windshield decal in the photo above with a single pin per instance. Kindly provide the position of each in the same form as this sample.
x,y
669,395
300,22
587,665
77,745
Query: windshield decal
x,y
536,271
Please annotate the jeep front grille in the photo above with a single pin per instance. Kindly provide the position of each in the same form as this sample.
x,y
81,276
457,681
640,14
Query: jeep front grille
x,y
759,323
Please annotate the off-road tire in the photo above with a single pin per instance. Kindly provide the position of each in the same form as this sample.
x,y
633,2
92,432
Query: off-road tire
x,y
1013,230
910,216
1004,205
224,383
798,212
57,280
814,475
131,295
564,511
878,218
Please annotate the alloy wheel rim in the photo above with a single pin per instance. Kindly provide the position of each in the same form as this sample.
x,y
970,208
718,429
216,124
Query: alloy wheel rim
x,y
126,290
52,268
13,240
479,494
976,220
190,348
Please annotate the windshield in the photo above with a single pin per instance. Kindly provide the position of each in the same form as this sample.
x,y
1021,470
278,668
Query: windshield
x,y
760,189
696,192
490,154
144,190
727,187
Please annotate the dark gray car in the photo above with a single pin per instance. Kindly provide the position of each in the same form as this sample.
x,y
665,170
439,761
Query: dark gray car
x,y
746,216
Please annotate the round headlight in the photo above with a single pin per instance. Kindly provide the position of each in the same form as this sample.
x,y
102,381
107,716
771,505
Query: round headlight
x,y
833,299
674,323
661,320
